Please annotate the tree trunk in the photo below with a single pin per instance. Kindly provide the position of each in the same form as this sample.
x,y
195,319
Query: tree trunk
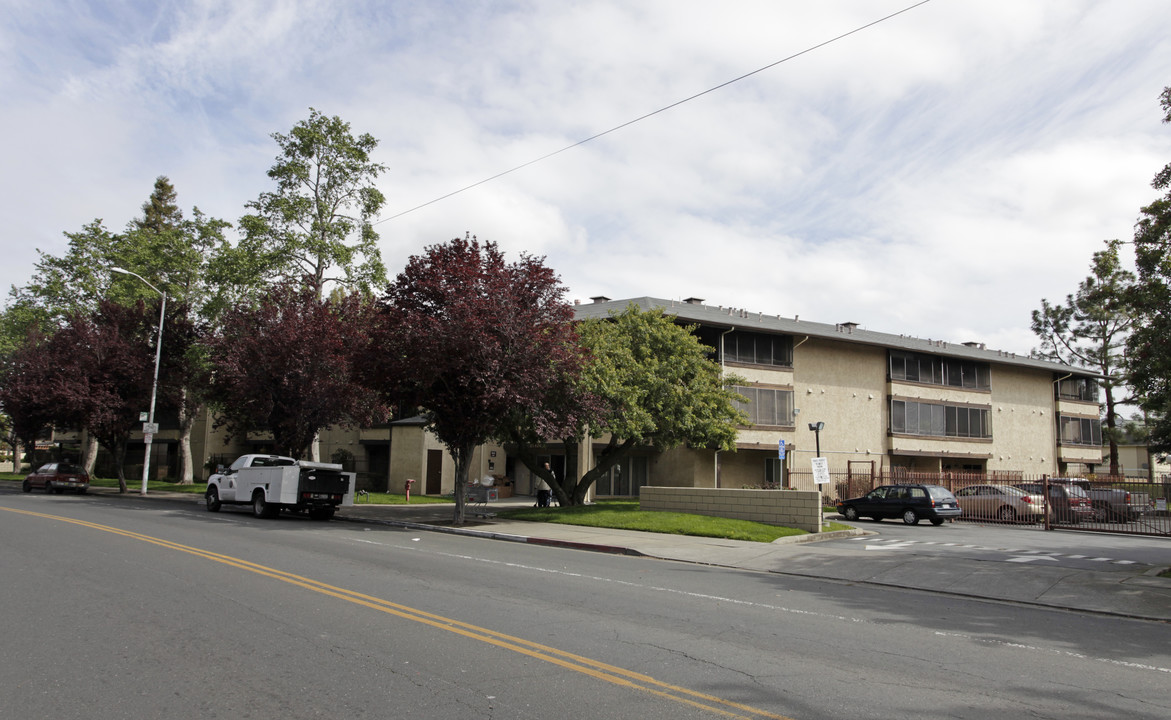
x,y
90,454
16,464
1111,421
119,460
187,417
461,456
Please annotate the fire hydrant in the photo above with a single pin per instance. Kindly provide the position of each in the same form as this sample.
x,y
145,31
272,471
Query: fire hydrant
x,y
407,487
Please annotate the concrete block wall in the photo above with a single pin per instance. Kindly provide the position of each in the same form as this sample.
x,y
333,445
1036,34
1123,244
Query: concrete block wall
x,y
791,508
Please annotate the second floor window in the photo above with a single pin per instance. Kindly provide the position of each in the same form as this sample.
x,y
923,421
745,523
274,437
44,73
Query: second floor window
x,y
908,417
766,406
1080,431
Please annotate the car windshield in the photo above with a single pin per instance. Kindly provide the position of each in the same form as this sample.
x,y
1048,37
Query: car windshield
x,y
1075,491
69,469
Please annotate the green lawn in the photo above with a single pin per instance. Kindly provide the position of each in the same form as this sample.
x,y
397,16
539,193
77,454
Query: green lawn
x,y
626,515
619,514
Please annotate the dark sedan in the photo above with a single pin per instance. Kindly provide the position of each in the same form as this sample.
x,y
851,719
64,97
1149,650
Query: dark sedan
x,y
909,502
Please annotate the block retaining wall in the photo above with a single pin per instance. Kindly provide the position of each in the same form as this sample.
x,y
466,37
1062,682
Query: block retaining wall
x,y
791,508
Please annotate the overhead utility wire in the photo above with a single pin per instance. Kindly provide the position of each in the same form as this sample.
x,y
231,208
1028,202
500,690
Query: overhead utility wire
x,y
655,112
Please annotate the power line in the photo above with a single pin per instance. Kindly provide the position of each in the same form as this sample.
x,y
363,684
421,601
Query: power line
x,y
655,112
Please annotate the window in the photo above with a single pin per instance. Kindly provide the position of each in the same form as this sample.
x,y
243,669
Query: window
x,y
1080,431
917,367
1084,389
758,348
772,472
919,418
766,406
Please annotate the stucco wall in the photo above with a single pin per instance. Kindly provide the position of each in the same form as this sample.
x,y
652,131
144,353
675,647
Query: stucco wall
x,y
790,508
844,386
1023,424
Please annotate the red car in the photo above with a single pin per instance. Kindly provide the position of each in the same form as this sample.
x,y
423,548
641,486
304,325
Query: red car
x,y
57,477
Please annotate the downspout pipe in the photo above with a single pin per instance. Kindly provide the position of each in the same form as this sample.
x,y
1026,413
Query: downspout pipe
x,y
716,459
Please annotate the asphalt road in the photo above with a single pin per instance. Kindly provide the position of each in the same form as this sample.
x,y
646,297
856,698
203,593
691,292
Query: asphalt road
x,y
120,608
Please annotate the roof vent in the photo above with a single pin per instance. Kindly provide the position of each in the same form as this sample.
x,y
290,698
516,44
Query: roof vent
x,y
975,345
847,327
600,299
693,301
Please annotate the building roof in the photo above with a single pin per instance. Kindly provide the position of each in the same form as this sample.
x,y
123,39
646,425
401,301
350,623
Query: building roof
x,y
693,310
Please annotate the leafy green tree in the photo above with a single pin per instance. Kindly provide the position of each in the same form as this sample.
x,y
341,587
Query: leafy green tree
x,y
316,227
657,388
1090,330
1149,348
187,258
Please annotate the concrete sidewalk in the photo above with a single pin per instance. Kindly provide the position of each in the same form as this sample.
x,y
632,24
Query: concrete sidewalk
x,y
1133,591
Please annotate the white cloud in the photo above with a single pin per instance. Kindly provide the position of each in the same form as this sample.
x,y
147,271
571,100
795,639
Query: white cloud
x,y
934,175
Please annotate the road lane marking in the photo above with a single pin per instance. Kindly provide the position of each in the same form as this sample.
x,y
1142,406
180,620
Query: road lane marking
x,y
569,661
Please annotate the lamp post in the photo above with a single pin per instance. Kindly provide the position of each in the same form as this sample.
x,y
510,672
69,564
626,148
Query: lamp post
x,y
147,437
817,427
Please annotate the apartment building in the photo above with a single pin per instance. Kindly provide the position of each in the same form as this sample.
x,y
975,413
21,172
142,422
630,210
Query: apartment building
x,y
884,402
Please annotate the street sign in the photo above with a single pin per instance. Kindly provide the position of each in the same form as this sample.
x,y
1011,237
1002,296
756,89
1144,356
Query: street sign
x,y
150,428
143,417
781,449
820,470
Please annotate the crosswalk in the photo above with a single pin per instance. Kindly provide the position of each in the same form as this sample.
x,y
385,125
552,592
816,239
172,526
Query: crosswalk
x,y
1021,555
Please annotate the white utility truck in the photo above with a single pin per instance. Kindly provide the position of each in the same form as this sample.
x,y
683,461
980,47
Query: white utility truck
x,y
270,483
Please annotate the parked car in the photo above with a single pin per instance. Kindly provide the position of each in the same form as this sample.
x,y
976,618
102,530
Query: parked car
x,y
1112,503
910,502
57,477
1067,503
1001,502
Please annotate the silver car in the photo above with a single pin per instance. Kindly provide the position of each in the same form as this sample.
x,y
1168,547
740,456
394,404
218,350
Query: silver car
x,y
1001,502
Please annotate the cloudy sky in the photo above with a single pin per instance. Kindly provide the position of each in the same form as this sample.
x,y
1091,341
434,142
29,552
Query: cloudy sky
x,y
936,174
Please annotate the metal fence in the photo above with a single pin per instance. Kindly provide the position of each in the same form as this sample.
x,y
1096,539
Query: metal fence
x,y
1095,503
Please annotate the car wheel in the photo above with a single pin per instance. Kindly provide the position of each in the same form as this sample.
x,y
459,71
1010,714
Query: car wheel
x,y
324,513
936,521
48,486
1006,514
26,486
910,517
850,513
262,509
212,499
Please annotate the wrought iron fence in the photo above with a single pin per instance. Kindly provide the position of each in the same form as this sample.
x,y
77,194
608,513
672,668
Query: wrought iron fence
x,y
1094,503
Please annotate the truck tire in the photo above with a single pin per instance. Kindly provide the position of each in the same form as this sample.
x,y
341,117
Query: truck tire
x,y
321,513
212,498
262,509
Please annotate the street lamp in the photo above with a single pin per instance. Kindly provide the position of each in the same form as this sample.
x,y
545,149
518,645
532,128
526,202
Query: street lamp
x,y
817,427
147,437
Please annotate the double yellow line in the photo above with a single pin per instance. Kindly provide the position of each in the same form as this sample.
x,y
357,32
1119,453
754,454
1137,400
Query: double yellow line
x,y
569,661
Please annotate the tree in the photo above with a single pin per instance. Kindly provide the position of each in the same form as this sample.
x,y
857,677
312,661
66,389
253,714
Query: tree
x,y
180,257
469,338
1149,347
287,366
325,195
658,388
95,373
189,259
25,375
1090,330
